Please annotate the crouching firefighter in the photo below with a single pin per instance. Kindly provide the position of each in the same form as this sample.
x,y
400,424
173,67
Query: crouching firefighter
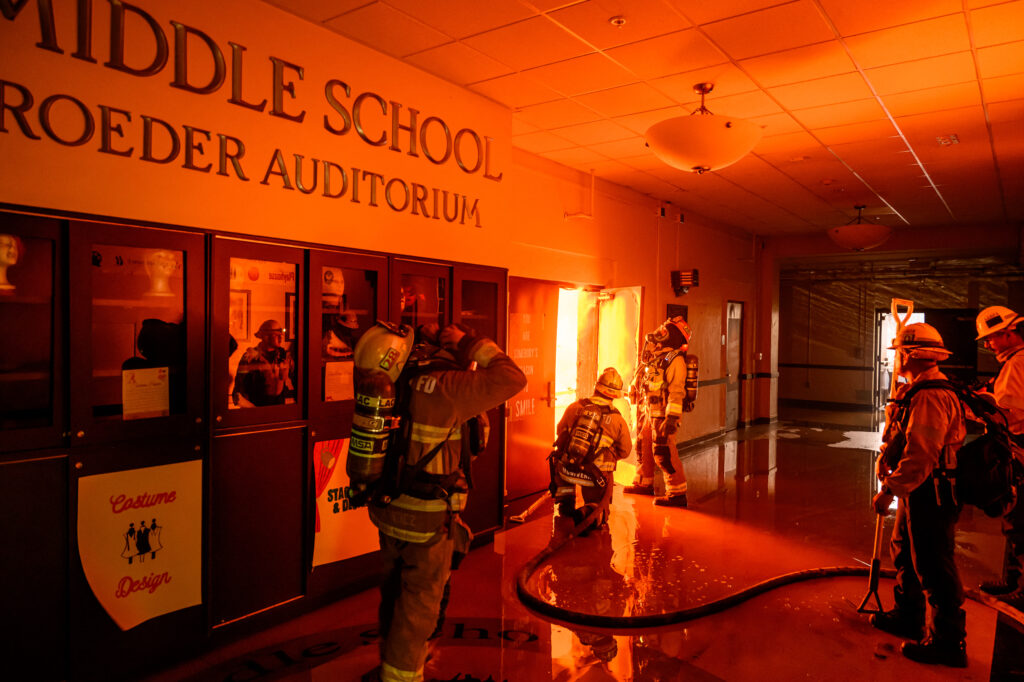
x,y
664,388
592,438
918,453
407,458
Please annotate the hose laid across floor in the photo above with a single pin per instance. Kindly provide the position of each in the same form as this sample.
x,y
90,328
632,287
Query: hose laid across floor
x,y
673,617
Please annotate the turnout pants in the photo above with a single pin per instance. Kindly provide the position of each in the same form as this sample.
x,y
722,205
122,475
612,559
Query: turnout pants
x,y
922,550
653,449
411,595
1013,529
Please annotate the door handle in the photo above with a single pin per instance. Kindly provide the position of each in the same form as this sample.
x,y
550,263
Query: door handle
x,y
550,397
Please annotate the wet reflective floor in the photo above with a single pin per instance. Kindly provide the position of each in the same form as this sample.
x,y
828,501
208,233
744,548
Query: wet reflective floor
x,y
767,505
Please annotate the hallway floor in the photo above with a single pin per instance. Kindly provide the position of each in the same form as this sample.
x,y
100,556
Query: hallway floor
x,y
763,502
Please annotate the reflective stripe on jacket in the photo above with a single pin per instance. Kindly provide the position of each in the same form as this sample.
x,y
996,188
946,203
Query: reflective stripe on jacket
x,y
665,386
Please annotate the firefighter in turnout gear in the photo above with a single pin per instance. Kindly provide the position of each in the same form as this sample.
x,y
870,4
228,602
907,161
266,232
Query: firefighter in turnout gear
x,y
999,329
921,440
664,388
451,376
592,438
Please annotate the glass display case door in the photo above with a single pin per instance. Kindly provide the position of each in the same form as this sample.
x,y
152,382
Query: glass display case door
x,y
420,293
137,324
31,356
257,333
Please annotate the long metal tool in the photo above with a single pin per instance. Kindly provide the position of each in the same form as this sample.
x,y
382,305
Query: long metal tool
x,y
876,556
537,504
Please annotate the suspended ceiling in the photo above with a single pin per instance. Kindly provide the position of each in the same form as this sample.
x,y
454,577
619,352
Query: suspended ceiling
x,y
912,108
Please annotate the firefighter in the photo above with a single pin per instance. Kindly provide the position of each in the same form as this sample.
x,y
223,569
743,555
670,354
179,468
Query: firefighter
x,y
592,438
664,388
922,439
420,529
999,329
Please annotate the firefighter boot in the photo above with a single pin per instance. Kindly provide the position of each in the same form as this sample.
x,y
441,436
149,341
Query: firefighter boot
x,y
945,644
671,500
640,489
897,622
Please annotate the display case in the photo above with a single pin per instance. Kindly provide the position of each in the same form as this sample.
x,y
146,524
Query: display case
x,y
257,333
31,356
137,319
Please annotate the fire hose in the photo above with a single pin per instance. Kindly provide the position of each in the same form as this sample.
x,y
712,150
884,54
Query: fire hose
x,y
646,621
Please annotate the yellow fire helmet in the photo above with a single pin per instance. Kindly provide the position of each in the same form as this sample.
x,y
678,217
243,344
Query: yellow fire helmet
x,y
995,318
609,384
384,347
920,340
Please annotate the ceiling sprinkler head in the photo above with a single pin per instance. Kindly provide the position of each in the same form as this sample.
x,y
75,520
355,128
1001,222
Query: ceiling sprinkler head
x,y
618,21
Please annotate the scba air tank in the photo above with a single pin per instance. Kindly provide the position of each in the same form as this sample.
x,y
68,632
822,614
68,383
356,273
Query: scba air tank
x,y
690,385
584,434
372,424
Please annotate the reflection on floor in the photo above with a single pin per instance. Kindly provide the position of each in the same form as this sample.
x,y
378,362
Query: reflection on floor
x,y
764,501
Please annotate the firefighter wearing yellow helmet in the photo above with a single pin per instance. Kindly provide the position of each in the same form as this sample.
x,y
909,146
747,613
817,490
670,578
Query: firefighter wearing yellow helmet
x,y
592,438
665,386
925,430
448,377
1000,331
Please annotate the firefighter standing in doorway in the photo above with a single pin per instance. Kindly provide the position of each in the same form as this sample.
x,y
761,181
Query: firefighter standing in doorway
x,y
592,438
418,520
999,329
923,436
664,388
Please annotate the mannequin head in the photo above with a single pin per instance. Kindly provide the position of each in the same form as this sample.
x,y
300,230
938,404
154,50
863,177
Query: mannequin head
x,y
10,251
160,265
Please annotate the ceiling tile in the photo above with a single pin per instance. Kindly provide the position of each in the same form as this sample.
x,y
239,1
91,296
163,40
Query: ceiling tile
x,y
933,99
914,41
923,73
529,43
643,19
387,30
319,10
577,157
847,113
462,18
1007,112
620,149
557,114
625,100
1005,88
703,12
770,30
847,87
998,23
594,132
515,91
727,79
777,124
581,74
665,55
856,132
1001,60
744,105
540,142
799,64
851,18
458,63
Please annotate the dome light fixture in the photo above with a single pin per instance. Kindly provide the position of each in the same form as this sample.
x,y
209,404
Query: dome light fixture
x,y
702,142
858,235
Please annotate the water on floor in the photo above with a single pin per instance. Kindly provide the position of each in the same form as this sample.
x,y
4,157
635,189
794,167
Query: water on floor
x,y
730,588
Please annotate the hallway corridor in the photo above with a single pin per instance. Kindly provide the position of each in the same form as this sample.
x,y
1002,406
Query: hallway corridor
x,y
763,502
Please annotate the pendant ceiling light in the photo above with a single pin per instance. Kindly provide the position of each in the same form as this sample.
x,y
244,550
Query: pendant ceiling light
x,y
702,142
858,235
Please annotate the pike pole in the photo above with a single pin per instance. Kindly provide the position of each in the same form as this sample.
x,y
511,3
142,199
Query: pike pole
x,y
876,557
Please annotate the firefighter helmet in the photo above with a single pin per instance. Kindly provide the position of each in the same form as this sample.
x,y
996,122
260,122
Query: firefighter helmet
x,y
609,384
922,341
673,334
994,319
385,346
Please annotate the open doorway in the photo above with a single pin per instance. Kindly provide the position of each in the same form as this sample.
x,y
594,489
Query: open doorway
x,y
885,357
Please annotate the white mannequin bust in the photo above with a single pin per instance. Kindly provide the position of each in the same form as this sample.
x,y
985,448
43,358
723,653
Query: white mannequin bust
x,y
160,265
10,251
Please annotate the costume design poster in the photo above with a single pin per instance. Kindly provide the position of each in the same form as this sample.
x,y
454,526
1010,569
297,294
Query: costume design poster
x,y
140,540
341,532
